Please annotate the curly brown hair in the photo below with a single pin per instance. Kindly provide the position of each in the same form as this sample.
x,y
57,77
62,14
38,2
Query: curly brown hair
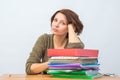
x,y
72,18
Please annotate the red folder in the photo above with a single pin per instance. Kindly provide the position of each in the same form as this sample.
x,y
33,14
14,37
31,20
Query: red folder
x,y
73,52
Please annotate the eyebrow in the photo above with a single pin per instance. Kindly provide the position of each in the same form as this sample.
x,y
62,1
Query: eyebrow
x,y
60,20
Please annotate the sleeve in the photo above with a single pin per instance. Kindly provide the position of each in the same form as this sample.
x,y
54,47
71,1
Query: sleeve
x,y
36,54
76,45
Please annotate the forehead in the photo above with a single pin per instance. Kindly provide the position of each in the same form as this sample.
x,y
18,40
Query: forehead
x,y
60,16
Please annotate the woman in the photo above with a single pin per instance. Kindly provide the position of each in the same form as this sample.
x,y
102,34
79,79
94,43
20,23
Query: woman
x,y
65,25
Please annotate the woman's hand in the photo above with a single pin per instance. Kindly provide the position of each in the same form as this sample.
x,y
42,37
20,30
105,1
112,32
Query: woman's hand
x,y
72,35
39,67
71,27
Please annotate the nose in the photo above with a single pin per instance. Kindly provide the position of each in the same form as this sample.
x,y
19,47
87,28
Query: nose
x,y
57,24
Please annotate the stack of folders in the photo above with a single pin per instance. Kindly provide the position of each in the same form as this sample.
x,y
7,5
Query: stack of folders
x,y
73,63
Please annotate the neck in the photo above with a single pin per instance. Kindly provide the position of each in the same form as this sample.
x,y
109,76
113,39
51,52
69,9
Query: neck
x,y
59,41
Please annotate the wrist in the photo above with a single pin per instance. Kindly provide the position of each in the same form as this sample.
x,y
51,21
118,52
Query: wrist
x,y
71,27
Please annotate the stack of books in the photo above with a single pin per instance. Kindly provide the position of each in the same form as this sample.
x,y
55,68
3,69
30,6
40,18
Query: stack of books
x,y
73,63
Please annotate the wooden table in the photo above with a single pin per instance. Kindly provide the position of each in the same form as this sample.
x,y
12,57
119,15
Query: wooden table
x,y
46,77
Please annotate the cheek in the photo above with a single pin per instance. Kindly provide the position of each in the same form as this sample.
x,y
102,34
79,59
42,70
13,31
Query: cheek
x,y
53,25
65,29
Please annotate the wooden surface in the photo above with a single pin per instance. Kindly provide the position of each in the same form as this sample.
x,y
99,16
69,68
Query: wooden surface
x,y
46,77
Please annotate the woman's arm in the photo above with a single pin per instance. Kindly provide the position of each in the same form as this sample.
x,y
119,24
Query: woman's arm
x,y
35,63
72,35
39,67
74,41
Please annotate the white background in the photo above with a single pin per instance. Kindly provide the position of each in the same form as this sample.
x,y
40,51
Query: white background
x,y
23,21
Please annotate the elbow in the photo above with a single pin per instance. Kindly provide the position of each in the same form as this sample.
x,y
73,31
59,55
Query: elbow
x,y
28,70
76,45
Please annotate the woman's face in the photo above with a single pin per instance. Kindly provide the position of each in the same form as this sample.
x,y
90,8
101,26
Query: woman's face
x,y
59,24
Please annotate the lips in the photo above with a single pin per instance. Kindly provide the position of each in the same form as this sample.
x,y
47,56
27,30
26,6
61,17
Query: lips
x,y
55,30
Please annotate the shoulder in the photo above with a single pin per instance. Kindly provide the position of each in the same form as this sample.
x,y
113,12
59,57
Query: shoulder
x,y
45,37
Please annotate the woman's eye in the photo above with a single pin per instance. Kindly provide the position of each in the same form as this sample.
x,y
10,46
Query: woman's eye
x,y
63,23
60,22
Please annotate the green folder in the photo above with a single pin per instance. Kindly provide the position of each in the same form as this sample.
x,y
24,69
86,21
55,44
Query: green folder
x,y
78,72
76,76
